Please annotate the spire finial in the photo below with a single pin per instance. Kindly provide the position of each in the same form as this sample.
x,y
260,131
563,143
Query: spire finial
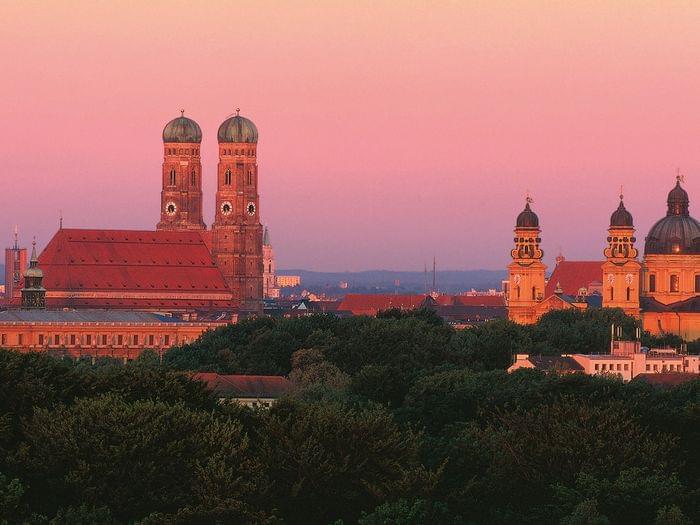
x,y
60,219
528,197
182,112
16,238
238,110
622,196
679,176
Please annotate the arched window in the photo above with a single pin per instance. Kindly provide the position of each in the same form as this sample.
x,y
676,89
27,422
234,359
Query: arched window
x,y
629,293
697,283
674,284
534,293
227,177
173,179
652,282
612,294
517,292
194,178
250,177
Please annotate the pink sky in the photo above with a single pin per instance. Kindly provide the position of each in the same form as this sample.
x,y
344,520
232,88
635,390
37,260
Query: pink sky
x,y
389,131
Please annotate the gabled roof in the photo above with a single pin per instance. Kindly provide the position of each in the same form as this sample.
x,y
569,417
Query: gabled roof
x,y
132,269
691,305
574,275
471,300
667,379
85,316
360,304
244,386
555,363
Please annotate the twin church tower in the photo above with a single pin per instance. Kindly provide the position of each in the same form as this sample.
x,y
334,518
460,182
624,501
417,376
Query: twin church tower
x,y
662,289
236,235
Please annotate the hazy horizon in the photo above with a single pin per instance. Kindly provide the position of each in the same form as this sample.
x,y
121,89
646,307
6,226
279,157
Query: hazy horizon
x,y
389,133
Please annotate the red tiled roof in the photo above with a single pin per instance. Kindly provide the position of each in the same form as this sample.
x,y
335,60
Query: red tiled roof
x,y
244,386
667,379
574,275
132,269
361,304
471,300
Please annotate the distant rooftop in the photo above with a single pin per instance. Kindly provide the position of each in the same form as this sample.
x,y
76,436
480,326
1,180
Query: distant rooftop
x,y
84,316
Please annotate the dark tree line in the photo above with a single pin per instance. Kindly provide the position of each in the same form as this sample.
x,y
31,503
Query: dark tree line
x,y
393,420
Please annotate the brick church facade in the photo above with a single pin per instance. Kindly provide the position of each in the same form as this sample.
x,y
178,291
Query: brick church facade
x,y
181,266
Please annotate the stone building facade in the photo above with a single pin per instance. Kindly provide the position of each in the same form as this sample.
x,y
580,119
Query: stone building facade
x,y
662,290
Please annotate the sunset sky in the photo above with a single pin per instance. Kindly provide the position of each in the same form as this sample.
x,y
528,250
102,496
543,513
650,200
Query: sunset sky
x,y
389,131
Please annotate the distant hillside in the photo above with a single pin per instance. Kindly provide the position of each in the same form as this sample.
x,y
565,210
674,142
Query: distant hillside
x,y
384,280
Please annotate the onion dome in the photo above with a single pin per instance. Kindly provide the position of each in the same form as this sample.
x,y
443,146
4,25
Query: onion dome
x,y
182,129
527,218
621,218
678,233
237,129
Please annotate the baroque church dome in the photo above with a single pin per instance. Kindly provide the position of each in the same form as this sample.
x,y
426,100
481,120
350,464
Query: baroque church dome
x,y
237,129
527,218
182,129
678,233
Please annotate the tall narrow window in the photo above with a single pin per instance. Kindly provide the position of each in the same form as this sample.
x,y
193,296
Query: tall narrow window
x,y
194,178
250,177
173,180
612,294
674,283
629,293
697,283
227,177
534,296
652,282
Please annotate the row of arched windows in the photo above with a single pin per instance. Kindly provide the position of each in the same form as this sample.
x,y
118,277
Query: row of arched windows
x,y
227,177
533,293
244,152
172,181
674,283
182,151
628,294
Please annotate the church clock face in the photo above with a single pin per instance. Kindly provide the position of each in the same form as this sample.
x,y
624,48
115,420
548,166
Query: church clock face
x,y
171,208
629,278
611,278
251,208
226,208
516,279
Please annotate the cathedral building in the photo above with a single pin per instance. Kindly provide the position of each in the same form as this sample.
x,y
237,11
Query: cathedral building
x,y
181,266
662,290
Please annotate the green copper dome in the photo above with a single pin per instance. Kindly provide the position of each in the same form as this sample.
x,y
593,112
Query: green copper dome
x,y
182,129
678,233
237,129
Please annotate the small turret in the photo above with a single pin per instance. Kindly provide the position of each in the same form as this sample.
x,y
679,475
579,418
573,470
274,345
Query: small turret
x,y
33,292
